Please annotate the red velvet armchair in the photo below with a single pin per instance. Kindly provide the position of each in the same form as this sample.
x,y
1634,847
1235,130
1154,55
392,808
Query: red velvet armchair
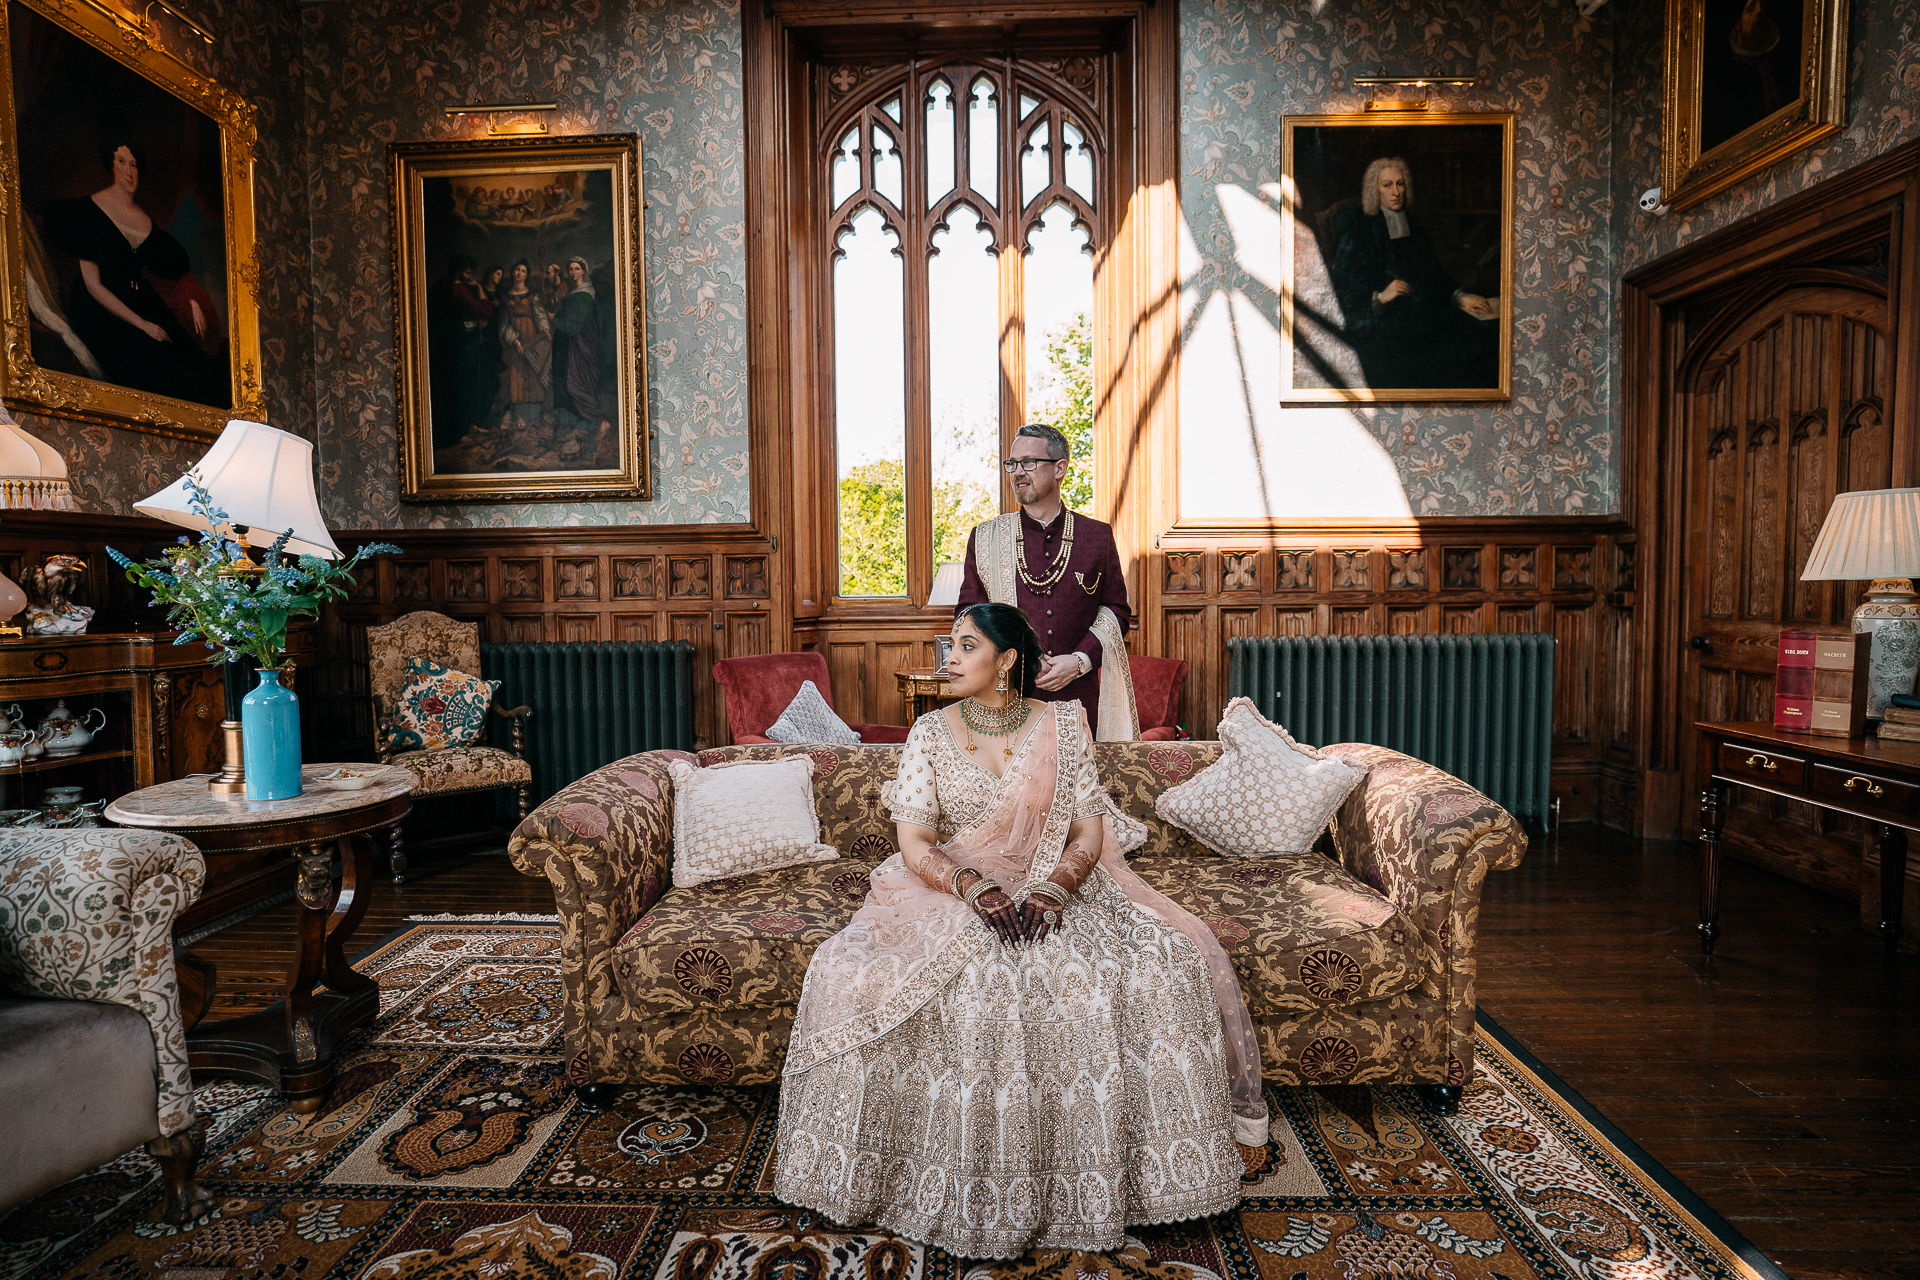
x,y
758,689
1157,683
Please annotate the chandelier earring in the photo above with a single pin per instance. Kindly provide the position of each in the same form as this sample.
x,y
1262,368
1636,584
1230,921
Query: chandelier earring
x,y
1002,686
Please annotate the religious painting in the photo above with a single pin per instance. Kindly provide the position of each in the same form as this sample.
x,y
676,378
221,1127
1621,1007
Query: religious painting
x,y
1748,83
129,273
521,318
1396,239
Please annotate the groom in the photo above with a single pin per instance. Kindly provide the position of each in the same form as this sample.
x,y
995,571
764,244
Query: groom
x,y
1062,569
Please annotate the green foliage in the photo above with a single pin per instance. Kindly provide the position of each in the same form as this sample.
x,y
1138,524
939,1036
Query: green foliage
x,y
1070,408
216,595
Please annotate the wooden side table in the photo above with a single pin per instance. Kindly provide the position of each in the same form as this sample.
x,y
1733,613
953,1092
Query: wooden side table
x,y
1865,777
291,1046
923,689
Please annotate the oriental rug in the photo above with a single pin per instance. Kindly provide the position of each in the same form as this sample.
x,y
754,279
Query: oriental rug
x,y
451,1146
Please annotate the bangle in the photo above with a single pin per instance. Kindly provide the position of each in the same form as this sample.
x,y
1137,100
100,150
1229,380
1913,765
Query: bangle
x,y
980,888
953,881
1049,889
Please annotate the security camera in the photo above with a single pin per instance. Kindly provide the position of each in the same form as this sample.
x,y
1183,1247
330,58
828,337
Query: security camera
x,y
1650,202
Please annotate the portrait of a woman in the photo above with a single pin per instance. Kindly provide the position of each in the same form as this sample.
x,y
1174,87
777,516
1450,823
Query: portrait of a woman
x,y
576,346
526,348
134,303
1015,1043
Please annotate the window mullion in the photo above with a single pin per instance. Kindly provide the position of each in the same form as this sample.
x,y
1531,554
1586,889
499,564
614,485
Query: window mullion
x,y
919,376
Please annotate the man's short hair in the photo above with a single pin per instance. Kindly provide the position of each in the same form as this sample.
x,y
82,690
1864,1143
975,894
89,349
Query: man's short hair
x,y
461,262
1057,447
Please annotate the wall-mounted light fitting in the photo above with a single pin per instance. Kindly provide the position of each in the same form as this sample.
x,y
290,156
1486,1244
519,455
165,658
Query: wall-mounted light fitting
x,y
144,23
495,128
1419,82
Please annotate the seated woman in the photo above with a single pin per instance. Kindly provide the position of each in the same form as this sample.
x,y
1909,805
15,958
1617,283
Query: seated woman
x,y
1015,1043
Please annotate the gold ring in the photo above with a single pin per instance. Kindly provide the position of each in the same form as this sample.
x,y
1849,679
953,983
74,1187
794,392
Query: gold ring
x,y
1051,917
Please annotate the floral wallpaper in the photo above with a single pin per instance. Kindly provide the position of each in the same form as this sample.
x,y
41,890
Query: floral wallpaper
x,y
382,71
1883,111
255,54
1246,64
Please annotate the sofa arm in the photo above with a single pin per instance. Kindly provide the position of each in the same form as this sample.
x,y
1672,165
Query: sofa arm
x,y
88,915
605,843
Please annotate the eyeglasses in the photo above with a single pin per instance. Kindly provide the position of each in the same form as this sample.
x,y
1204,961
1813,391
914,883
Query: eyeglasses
x,y
1020,466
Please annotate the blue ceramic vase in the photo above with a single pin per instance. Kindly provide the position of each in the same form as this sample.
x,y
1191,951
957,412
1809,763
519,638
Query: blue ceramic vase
x,y
270,737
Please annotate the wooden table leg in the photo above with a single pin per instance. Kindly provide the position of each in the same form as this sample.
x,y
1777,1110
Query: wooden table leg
x,y
1893,884
1713,816
356,884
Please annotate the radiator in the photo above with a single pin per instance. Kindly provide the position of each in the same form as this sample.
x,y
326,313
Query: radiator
x,y
593,703
1480,707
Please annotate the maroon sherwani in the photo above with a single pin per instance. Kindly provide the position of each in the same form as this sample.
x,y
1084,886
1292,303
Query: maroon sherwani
x,y
1064,616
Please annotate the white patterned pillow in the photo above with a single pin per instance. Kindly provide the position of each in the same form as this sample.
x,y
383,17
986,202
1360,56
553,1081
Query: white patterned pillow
x,y
736,819
808,718
1266,794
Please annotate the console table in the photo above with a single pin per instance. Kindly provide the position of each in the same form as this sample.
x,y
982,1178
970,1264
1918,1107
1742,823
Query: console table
x,y
1866,777
290,1046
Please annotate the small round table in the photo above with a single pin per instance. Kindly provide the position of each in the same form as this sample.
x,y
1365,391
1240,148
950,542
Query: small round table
x,y
292,1045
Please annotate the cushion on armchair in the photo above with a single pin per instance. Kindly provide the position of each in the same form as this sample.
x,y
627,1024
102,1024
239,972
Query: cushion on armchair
x,y
808,718
463,769
439,708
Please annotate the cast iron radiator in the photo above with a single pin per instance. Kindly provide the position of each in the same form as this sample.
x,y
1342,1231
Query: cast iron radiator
x,y
593,703
1480,707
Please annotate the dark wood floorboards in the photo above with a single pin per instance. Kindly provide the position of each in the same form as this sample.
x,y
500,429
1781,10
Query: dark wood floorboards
x,y
1780,1081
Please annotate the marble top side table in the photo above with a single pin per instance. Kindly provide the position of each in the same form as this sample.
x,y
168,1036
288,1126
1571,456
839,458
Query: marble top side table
x,y
292,1045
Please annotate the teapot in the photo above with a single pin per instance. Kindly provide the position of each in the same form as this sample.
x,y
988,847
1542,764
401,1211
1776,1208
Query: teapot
x,y
13,744
67,734
11,718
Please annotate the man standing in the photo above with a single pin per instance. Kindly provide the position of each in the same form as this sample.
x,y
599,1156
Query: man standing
x,y
1062,569
458,317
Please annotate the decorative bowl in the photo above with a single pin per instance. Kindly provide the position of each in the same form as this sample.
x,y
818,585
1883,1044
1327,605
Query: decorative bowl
x,y
349,779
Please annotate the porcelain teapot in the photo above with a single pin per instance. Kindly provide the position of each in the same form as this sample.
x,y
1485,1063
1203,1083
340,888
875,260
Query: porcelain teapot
x,y
13,744
66,734
11,718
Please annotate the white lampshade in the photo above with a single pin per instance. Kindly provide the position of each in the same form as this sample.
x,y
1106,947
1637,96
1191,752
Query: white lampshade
x,y
262,478
1869,533
946,585
33,476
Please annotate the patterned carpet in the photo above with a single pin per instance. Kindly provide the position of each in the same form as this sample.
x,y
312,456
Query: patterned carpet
x,y
450,1146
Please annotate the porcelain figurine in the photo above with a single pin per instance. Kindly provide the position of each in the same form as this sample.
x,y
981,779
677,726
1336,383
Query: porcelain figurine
x,y
67,734
51,612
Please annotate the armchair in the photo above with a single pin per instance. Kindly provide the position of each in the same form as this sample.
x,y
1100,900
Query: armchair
x,y
1157,683
446,770
758,688
93,1052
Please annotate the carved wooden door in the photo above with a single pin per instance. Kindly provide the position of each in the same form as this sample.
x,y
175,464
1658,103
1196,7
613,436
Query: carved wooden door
x,y
1784,410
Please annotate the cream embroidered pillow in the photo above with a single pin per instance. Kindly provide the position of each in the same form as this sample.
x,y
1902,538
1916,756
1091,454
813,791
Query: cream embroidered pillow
x,y
736,819
1266,794
808,718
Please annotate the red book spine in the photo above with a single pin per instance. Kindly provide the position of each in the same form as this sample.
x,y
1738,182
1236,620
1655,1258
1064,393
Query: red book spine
x,y
1793,713
1797,648
1794,681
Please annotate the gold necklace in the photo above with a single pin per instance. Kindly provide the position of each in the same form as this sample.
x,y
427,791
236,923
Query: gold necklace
x,y
1056,568
993,722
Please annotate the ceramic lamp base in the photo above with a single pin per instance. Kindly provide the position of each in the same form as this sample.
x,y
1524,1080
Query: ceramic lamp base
x,y
1891,612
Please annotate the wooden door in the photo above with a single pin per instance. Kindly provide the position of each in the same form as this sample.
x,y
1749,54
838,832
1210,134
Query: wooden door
x,y
1787,407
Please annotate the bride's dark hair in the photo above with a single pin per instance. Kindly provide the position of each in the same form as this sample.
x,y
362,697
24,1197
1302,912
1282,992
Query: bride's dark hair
x,y
1006,627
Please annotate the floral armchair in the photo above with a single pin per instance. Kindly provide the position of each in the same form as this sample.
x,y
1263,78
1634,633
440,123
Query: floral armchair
x,y
93,1052
446,770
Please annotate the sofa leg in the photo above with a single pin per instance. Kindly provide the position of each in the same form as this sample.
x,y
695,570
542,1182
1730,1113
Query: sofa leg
x,y
179,1158
596,1097
1443,1098
396,854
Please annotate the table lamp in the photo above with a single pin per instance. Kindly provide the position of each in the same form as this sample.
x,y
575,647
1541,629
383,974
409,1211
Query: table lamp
x,y
1874,534
33,476
262,478
946,585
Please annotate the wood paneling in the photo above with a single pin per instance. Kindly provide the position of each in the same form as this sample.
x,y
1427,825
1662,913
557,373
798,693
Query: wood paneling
x,y
631,583
1493,577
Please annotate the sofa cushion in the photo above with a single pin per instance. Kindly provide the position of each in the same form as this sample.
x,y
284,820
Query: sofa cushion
x,y
743,943
1303,934
846,791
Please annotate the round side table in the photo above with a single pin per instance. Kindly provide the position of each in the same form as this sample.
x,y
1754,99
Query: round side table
x,y
292,1045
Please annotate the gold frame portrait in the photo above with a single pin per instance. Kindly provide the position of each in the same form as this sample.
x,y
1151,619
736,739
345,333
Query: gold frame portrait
x,y
1689,175
24,382
415,264
1316,304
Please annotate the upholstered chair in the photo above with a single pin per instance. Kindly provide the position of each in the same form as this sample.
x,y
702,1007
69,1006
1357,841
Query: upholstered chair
x,y
446,770
93,1051
1157,683
758,688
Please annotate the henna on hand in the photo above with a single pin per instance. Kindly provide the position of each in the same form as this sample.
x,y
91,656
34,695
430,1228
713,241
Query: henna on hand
x,y
1076,860
935,870
997,910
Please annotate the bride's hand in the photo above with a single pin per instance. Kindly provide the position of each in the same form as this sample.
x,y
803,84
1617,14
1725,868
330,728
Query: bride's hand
x,y
998,910
1033,919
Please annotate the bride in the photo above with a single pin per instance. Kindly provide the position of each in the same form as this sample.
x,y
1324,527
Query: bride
x,y
1016,1043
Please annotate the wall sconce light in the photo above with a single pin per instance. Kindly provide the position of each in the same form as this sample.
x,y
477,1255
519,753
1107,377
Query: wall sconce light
x,y
1420,82
495,128
144,23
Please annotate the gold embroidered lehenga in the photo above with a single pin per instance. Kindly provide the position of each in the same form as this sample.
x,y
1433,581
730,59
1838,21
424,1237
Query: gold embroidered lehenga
x,y
990,1099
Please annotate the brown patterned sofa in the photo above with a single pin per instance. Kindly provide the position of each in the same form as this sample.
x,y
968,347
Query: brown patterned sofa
x,y
1357,961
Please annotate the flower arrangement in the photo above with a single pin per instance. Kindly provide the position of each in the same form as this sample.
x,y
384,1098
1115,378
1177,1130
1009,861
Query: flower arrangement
x,y
215,594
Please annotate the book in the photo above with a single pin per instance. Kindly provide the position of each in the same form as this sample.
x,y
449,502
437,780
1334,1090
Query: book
x,y
1900,732
1896,714
1906,700
1821,682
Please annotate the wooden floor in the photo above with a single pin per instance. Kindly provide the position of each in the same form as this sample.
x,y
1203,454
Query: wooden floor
x,y
1780,1081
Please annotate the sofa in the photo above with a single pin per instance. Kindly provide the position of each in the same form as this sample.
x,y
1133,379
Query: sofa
x,y
93,1055
1356,958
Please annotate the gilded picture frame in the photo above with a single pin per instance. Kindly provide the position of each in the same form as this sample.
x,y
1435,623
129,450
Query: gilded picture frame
x,y
1747,83
520,315
181,354
1378,308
